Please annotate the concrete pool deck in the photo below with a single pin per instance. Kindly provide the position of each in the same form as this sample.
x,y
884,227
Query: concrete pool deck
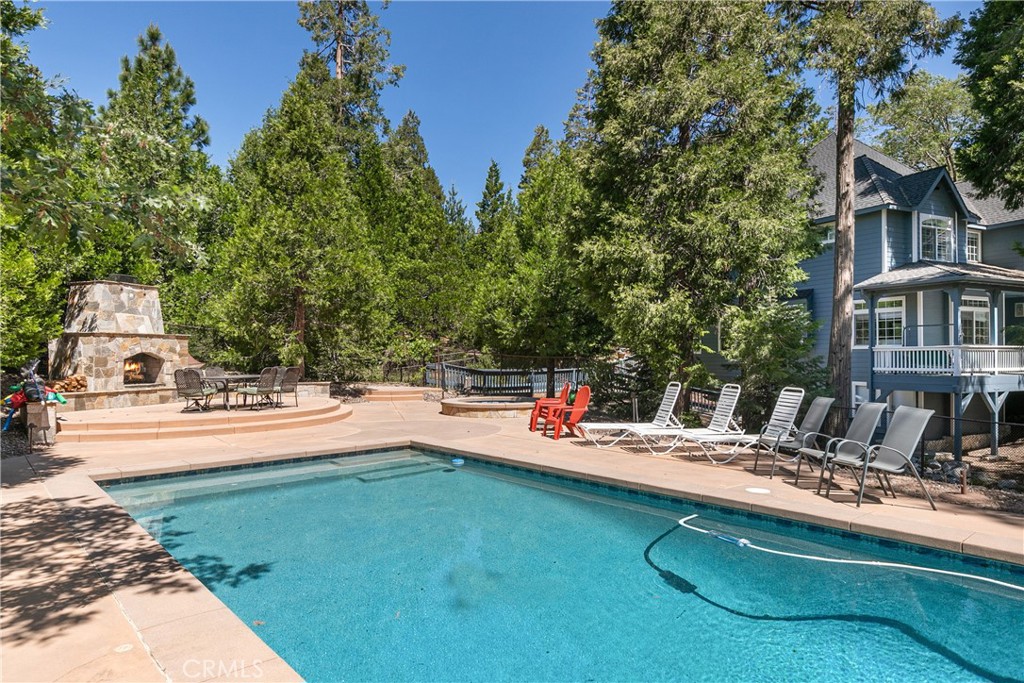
x,y
88,595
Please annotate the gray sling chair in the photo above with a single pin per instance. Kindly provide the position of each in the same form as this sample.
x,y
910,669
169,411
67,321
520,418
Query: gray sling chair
x,y
861,430
807,434
892,456
193,389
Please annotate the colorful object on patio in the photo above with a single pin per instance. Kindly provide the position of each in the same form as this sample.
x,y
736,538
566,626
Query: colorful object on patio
x,y
563,397
566,416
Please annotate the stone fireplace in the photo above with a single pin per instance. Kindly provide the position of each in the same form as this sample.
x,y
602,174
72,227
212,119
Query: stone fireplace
x,y
114,335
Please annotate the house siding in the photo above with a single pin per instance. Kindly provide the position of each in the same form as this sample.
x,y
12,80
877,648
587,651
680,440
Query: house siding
x,y
997,247
935,319
900,238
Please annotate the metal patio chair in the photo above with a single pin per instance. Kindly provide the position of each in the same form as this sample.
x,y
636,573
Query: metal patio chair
x,y
262,392
595,432
193,389
289,384
892,456
861,430
807,434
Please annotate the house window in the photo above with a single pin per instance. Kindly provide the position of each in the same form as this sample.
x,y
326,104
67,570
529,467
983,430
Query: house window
x,y
889,321
973,245
937,238
974,320
859,391
861,330
829,236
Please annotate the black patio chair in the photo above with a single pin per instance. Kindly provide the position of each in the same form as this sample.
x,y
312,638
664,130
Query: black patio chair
x,y
289,383
193,389
262,392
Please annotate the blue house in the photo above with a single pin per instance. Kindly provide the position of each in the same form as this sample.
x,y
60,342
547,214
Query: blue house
x,y
938,294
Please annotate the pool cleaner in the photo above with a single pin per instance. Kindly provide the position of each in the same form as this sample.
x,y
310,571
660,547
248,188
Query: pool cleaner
x,y
744,543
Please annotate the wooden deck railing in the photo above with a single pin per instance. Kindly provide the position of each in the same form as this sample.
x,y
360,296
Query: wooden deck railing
x,y
950,360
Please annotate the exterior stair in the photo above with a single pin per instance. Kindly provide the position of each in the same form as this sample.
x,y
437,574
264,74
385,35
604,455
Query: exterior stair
x,y
384,393
167,422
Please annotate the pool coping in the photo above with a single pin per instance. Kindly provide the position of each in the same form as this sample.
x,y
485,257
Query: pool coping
x,y
192,628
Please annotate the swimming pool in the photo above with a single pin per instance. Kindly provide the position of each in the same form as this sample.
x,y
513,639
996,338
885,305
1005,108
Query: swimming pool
x,y
398,565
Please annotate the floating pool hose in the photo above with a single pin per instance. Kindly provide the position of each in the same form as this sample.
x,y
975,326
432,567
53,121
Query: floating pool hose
x,y
744,543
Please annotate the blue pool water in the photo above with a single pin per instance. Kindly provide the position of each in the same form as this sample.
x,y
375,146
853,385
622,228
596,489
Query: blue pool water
x,y
397,566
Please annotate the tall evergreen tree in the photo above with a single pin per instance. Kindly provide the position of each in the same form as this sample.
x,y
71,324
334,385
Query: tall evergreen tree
x,y
540,146
992,52
407,156
696,187
348,36
854,42
300,282
495,201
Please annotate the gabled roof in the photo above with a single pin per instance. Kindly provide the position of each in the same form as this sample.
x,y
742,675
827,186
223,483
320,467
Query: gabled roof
x,y
874,174
991,210
923,274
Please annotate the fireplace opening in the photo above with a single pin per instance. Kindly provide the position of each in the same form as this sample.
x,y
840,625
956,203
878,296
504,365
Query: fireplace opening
x,y
142,368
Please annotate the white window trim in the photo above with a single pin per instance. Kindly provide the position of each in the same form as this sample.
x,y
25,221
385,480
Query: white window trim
x,y
977,304
885,241
853,333
952,235
830,233
967,246
903,318
853,394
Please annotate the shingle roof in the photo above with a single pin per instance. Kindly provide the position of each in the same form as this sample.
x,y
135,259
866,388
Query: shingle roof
x,y
992,211
930,273
874,176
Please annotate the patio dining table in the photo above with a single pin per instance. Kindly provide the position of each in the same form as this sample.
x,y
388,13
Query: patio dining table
x,y
224,383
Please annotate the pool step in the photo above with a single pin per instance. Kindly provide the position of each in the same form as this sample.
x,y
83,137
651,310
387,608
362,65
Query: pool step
x,y
175,425
382,394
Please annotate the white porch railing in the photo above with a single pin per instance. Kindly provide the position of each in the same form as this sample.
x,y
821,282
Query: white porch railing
x,y
950,360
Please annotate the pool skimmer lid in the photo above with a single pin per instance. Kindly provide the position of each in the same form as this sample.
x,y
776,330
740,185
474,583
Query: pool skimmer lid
x,y
758,490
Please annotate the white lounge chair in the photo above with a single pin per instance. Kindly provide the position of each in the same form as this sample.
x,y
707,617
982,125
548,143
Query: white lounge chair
x,y
807,434
779,428
597,432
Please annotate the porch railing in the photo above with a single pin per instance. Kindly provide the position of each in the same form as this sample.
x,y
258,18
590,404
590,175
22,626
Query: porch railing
x,y
949,360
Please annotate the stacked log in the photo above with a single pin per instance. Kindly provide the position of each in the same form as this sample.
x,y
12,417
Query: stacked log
x,y
70,384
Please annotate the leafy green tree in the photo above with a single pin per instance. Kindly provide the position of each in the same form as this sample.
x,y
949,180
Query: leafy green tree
x,y
926,122
693,167
772,345
529,300
300,283
992,51
856,42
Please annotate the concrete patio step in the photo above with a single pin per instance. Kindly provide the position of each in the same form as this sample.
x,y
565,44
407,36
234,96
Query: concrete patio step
x,y
377,394
171,416
233,422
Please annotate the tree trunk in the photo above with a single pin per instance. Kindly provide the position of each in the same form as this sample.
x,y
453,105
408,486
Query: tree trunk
x,y
339,44
299,327
839,350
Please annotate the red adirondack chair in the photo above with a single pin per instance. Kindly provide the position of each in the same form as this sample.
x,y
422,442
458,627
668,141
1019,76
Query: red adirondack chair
x,y
543,403
566,416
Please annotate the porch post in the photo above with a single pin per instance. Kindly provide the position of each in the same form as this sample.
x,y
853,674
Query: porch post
x,y
958,426
957,338
871,346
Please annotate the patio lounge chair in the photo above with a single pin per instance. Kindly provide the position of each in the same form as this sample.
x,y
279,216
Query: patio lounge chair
x,y
778,428
262,392
542,403
861,430
595,432
566,416
807,434
892,456
193,389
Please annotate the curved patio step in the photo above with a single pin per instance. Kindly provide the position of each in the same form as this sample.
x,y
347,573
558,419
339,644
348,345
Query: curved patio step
x,y
379,394
175,425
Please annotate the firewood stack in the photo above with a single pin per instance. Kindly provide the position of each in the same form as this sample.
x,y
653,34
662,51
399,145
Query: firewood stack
x,y
70,384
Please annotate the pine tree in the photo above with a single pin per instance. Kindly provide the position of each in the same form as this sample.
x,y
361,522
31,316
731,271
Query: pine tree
x,y
495,201
992,52
854,42
539,147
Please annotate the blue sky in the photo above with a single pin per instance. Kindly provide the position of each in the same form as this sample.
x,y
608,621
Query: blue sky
x,y
480,75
